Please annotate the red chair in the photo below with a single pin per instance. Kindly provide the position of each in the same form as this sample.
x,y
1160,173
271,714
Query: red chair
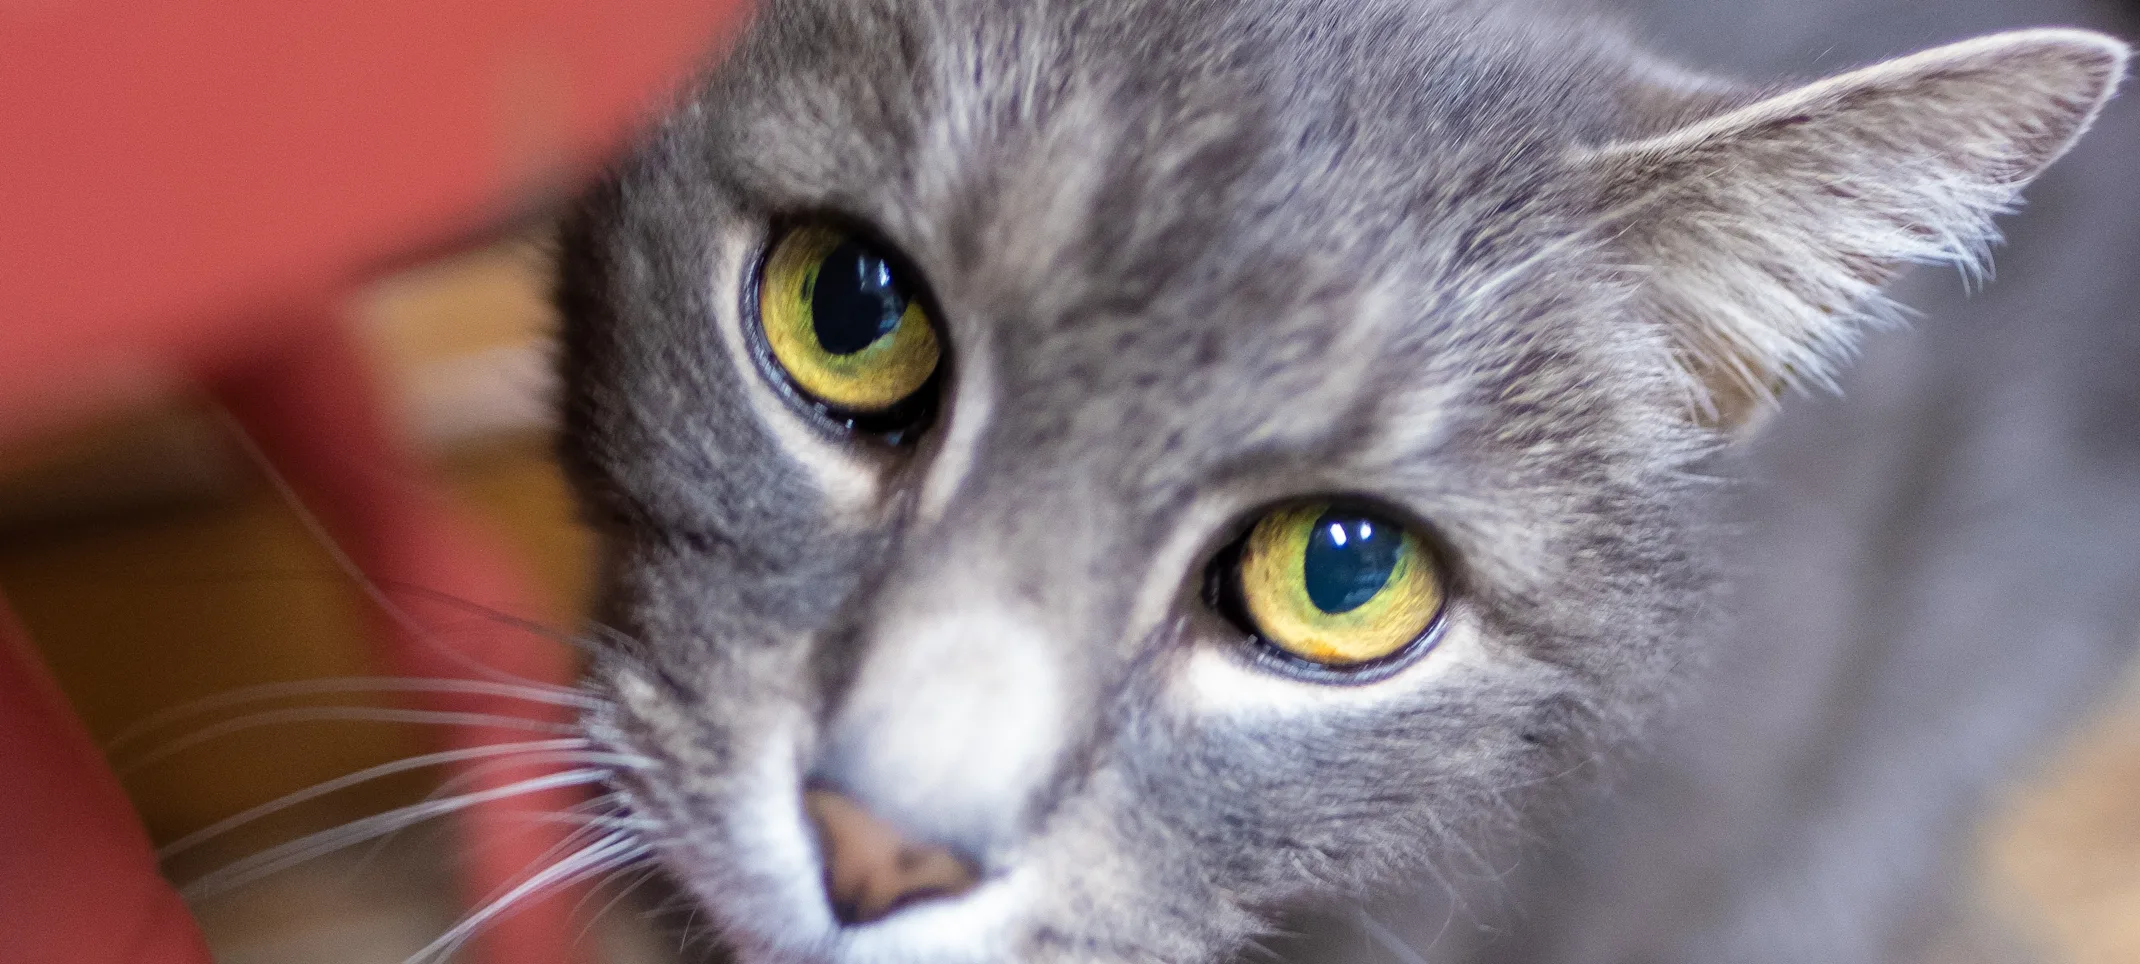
x,y
186,189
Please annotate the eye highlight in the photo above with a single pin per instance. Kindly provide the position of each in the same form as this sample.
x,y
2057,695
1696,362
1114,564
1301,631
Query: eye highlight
x,y
1334,586
842,322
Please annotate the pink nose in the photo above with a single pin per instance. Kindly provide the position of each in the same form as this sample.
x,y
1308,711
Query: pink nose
x,y
871,869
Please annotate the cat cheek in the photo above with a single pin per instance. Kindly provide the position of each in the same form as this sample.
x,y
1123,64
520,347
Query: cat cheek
x,y
1216,679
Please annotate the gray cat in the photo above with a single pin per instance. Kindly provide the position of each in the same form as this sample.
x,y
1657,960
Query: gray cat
x,y
1085,481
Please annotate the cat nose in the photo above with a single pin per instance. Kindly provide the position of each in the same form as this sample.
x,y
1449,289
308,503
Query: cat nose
x,y
871,869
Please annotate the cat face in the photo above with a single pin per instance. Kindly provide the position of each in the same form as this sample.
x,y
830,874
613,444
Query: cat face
x,y
1168,460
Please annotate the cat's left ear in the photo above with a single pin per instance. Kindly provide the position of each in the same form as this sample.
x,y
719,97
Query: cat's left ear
x,y
1763,234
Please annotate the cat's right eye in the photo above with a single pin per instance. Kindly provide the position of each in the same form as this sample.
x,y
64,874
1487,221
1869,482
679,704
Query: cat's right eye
x,y
1333,587
843,325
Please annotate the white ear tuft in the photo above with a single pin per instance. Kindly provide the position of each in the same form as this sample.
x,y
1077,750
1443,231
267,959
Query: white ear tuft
x,y
1766,231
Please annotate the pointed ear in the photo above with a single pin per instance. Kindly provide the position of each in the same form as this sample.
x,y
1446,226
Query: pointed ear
x,y
1765,232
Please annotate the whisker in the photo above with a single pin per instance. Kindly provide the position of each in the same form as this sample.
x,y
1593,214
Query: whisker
x,y
394,612
607,854
317,790
265,692
479,771
476,774
1387,938
683,940
471,775
281,857
608,821
568,842
645,874
575,815
613,818
314,714
529,626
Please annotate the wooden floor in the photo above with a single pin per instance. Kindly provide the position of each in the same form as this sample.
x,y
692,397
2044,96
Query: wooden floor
x,y
153,568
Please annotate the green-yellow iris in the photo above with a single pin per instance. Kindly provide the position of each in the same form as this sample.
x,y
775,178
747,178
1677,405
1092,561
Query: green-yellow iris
x,y
842,322
1337,587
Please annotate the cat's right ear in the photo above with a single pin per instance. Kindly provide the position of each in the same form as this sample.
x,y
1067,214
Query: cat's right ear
x,y
1763,234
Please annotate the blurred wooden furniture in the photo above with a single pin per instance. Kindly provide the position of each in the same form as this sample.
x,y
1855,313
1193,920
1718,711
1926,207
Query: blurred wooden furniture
x,y
186,189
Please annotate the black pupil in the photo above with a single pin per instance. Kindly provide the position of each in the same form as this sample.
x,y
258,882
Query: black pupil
x,y
857,300
1349,559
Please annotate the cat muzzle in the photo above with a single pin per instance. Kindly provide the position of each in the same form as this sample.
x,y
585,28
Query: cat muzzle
x,y
871,868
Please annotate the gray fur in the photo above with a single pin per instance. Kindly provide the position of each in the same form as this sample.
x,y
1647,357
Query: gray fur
x,y
1195,257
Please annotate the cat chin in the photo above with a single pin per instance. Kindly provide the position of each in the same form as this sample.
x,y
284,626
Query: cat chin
x,y
973,928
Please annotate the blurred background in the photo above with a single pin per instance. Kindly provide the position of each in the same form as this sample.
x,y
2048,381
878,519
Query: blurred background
x,y
197,201
154,563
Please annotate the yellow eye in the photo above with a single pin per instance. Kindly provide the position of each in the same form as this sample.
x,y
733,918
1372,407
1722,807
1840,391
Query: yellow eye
x,y
843,324
1335,586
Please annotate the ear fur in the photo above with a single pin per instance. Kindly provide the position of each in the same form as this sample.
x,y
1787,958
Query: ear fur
x,y
1766,231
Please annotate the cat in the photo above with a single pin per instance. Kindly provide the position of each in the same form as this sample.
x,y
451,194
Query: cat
x,y
1088,481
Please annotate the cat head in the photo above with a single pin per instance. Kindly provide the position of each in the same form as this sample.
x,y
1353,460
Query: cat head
x,y
1077,477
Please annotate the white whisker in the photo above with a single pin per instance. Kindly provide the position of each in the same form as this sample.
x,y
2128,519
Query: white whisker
x,y
588,824
605,855
284,856
1381,934
315,714
226,825
265,692
399,616
569,841
606,821
452,786
476,774
683,939
645,875
494,615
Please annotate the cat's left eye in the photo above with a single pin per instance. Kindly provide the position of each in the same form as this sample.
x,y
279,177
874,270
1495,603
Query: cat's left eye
x,y
1333,587
842,321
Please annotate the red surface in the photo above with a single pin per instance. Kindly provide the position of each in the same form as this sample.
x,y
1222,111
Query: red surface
x,y
182,183
363,483
172,167
71,853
